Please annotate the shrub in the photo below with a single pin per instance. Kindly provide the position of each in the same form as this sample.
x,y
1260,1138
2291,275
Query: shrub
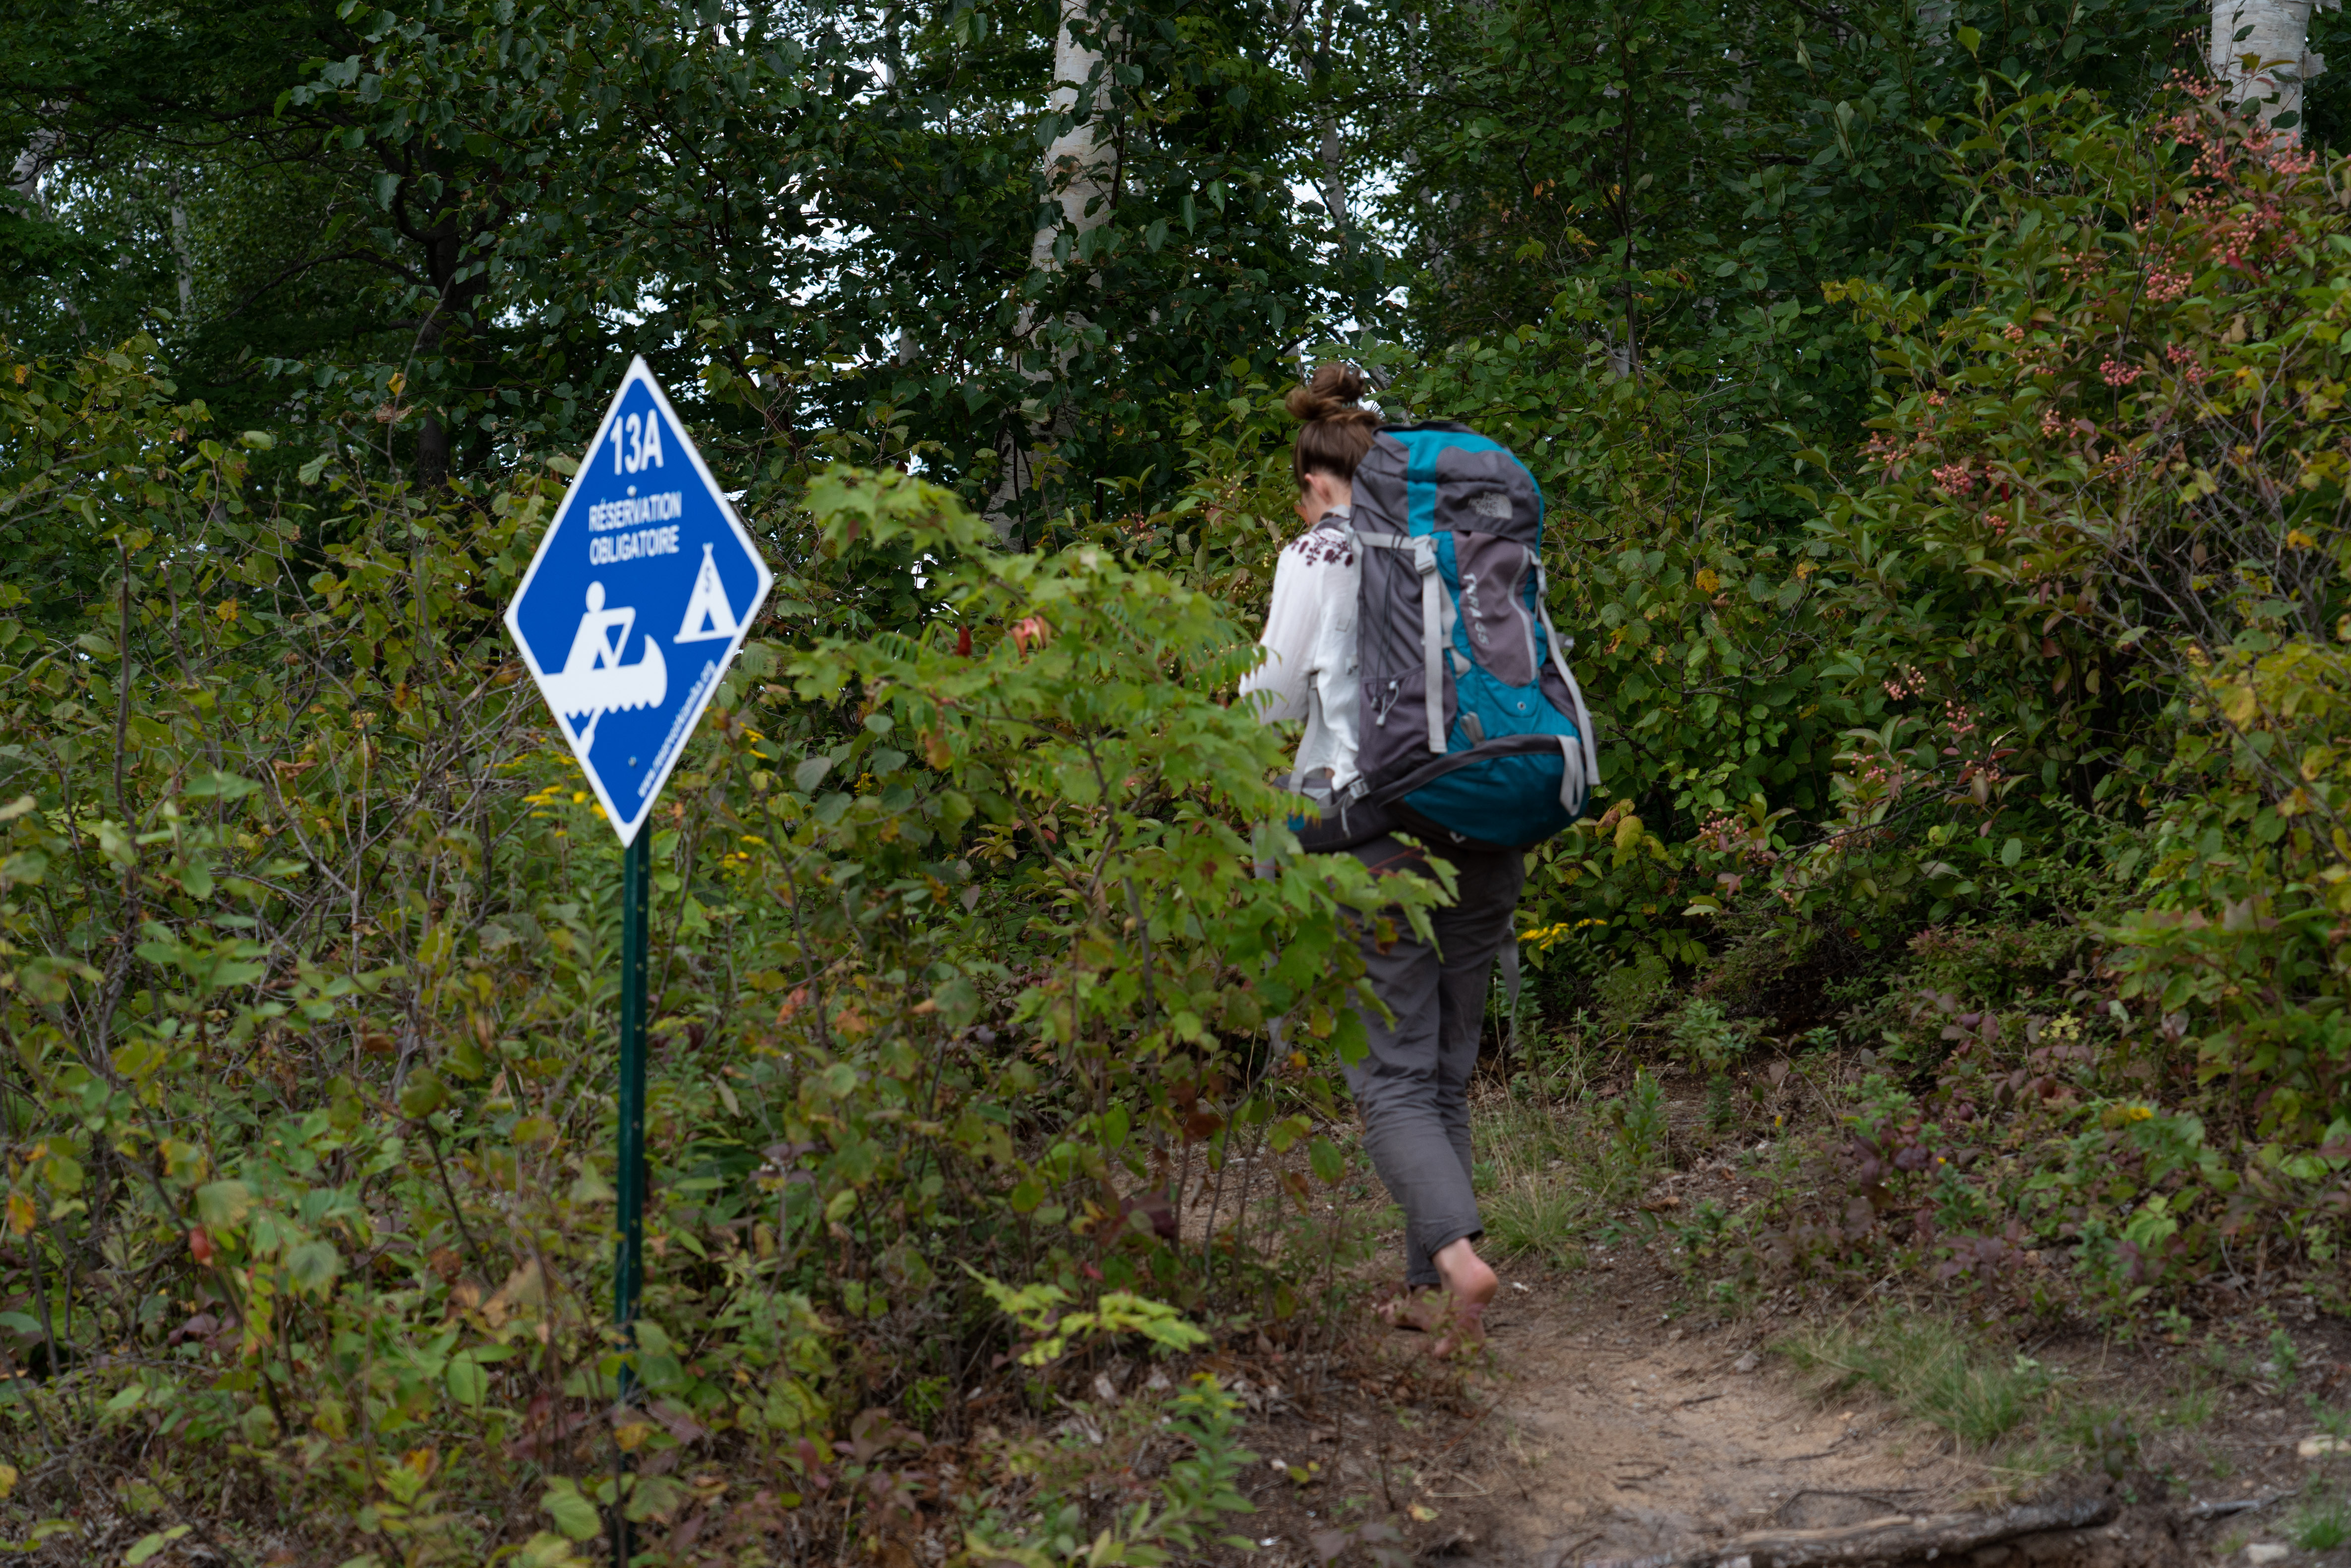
x,y
962,961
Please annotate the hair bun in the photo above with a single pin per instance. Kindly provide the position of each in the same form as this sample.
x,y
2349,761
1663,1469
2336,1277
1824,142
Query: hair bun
x,y
1335,430
1336,389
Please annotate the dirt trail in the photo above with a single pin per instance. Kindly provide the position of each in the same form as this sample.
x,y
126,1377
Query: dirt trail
x,y
1632,1440
1615,1435
1605,1425
1606,1431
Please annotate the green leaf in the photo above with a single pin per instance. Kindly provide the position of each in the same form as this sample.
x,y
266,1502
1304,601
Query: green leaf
x,y
465,1059
147,1546
115,844
62,1172
549,1550
1284,1134
468,1383
1328,1162
313,1267
211,784
423,1094
657,1497
224,1205
958,1001
573,1514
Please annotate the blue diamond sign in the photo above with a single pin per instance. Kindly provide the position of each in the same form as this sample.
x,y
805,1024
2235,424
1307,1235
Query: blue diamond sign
x,y
638,597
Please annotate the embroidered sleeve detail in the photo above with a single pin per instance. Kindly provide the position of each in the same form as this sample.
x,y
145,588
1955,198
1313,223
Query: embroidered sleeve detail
x,y
1322,547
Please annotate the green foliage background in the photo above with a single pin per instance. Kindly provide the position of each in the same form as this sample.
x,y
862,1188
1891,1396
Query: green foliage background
x,y
1941,435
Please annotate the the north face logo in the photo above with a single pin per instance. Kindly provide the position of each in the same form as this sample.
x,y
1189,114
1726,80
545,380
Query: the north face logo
x,y
1493,504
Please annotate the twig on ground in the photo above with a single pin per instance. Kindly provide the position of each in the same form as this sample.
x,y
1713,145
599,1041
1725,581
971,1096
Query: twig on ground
x,y
2224,1510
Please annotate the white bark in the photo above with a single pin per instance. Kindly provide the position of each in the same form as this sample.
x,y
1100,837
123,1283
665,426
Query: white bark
x,y
1310,53
1078,161
1081,174
2275,35
182,253
25,174
1334,173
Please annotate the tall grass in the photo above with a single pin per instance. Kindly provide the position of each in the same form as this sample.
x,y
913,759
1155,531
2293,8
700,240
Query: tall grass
x,y
1548,1176
1929,1372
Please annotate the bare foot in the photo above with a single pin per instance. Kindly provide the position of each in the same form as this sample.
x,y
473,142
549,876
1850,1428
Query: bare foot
x,y
1470,1284
1420,1309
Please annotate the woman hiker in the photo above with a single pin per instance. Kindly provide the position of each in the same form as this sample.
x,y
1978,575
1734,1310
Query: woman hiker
x,y
1412,1088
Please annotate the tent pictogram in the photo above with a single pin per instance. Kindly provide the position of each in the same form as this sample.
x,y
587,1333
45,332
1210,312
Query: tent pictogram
x,y
707,616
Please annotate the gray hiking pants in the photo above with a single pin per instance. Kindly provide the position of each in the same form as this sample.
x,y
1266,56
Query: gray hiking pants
x,y
1412,1089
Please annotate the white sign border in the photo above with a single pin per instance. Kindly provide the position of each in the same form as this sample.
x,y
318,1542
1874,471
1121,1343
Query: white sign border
x,y
639,372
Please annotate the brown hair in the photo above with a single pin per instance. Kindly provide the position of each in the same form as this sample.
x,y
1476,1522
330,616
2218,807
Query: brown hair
x,y
1335,430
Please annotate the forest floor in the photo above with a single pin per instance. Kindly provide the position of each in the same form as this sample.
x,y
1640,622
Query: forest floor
x,y
1613,1418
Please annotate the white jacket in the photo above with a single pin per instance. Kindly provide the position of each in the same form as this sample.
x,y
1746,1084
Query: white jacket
x,y
1310,641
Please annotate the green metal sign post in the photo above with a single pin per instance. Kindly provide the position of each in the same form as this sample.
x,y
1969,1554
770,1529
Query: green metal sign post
x,y
629,1247
629,1250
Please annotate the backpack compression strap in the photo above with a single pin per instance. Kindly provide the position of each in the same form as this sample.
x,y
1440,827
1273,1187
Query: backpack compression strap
x,y
1432,617
1576,695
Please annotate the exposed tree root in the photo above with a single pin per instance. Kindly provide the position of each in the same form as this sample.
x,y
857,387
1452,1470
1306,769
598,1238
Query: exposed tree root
x,y
1896,1538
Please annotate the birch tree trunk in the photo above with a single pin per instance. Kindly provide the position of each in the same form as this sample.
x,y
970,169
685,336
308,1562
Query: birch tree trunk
x,y
182,251
1078,163
1312,55
25,175
2274,34
1081,177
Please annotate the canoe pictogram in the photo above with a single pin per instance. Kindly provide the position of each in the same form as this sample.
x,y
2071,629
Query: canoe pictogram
x,y
593,681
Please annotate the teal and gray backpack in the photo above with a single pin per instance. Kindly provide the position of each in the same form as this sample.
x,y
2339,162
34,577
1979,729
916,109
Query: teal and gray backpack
x,y
1472,732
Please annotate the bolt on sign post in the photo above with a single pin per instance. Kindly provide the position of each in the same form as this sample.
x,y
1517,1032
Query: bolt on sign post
x,y
639,597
